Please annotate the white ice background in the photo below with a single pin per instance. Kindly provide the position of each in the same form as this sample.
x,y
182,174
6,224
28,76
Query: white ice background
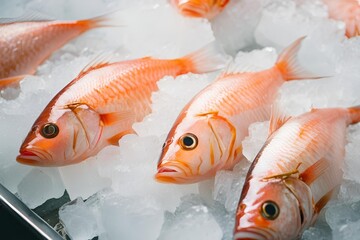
x,y
123,200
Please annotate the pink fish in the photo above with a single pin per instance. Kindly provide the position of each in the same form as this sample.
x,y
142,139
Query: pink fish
x,y
100,105
26,43
294,175
208,133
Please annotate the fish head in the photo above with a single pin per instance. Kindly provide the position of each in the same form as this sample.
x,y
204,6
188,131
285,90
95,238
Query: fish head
x,y
276,209
60,136
194,150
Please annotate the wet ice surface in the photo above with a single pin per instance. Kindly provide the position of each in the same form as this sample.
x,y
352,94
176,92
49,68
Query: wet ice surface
x,y
132,199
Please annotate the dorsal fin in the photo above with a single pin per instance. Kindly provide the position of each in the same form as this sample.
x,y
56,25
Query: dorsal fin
x,y
29,16
277,119
101,60
236,68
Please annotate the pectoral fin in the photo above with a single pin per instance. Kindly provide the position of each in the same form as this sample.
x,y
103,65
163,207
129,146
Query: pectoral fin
x,y
114,118
314,171
324,200
125,118
114,140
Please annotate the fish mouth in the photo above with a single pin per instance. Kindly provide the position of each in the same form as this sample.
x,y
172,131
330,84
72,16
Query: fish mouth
x,y
253,234
28,157
166,175
166,170
27,161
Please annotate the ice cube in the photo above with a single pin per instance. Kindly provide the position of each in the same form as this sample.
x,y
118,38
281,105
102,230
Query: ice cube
x,y
352,163
229,184
340,215
234,27
173,95
284,21
136,217
79,220
134,176
191,220
164,32
348,231
39,185
349,191
83,179
258,133
320,230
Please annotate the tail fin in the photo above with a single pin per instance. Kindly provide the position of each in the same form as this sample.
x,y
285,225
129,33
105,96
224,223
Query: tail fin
x,y
111,19
207,59
289,66
354,114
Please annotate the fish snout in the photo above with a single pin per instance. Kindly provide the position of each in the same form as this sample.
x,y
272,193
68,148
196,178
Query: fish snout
x,y
28,157
253,234
166,170
167,174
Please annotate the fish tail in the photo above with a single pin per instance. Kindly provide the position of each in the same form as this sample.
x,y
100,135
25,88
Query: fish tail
x,y
112,19
207,59
289,66
354,113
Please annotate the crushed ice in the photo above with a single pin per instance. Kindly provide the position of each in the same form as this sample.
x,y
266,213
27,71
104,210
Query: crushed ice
x,y
123,200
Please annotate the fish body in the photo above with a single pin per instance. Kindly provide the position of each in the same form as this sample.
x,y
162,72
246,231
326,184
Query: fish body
x,y
347,11
294,175
200,8
98,107
26,44
217,119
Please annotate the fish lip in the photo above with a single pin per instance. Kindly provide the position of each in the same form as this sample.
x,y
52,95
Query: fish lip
x,y
32,160
253,234
32,157
167,174
165,179
166,170
27,153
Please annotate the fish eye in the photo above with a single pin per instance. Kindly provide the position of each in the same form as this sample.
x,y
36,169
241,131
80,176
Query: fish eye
x,y
188,141
49,130
270,210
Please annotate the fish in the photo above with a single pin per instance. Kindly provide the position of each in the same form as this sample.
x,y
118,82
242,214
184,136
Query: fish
x,y
200,8
347,11
206,137
29,40
295,173
100,105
